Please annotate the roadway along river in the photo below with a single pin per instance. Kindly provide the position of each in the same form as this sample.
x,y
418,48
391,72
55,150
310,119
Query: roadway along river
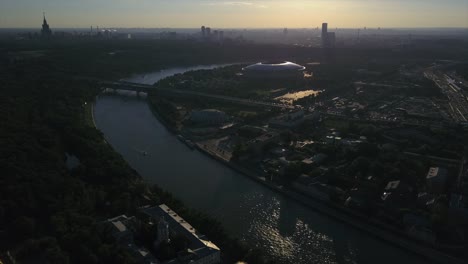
x,y
285,229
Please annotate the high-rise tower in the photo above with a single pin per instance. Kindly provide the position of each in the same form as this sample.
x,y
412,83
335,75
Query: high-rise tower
x,y
324,34
203,31
324,29
45,32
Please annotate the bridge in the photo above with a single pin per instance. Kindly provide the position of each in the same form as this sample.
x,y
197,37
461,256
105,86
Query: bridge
x,y
136,87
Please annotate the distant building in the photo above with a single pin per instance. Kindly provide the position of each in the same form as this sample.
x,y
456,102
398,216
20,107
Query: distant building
x,y
328,38
45,32
324,31
203,31
208,32
436,180
292,119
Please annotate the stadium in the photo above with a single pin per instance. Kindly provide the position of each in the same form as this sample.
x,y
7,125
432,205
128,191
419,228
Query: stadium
x,y
284,69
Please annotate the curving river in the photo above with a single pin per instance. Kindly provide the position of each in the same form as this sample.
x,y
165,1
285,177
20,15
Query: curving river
x,y
285,229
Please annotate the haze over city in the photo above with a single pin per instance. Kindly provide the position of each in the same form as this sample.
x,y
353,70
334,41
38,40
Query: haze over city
x,y
234,131
236,14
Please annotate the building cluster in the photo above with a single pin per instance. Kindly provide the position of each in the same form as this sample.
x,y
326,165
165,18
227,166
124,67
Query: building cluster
x,y
208,117
168,225
94,33
209,35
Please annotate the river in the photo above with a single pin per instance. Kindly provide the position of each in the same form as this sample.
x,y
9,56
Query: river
x,y
283,228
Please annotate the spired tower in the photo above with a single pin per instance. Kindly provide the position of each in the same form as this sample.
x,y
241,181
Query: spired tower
x,y
45,32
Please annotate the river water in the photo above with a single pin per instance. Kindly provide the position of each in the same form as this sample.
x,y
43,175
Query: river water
x,y
283,228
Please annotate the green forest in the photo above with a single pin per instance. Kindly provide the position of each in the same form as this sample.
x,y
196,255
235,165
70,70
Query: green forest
x,y
49,212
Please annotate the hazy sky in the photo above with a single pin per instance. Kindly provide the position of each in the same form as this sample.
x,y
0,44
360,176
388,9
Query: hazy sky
x,y
225,14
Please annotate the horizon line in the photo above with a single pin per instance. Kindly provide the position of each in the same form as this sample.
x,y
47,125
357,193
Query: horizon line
x,y
332,28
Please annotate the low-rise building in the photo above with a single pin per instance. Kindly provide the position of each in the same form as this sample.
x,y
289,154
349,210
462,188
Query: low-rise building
x,y
436,180
396,194
208,117
289,120
200,250
424,199
122,229
458,209
257,144
317,159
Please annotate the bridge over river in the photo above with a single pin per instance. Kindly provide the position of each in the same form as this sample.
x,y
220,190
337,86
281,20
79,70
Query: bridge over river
x,y
143,88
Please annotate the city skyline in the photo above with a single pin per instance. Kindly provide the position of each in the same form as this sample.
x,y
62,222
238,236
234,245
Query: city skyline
x,y
236,14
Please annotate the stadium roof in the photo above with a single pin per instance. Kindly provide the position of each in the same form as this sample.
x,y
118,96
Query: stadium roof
x,y
286,66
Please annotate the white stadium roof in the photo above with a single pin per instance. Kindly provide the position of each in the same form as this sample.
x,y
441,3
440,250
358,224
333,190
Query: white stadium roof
x,y
286,66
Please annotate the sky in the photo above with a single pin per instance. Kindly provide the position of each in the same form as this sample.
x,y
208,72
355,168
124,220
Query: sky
x,y
234,14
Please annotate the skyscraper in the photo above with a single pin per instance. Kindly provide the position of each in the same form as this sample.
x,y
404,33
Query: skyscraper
x,y
324,30
328,38
45,32
324,35
203,31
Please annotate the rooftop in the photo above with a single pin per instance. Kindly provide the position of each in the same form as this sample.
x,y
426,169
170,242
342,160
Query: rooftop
x,y
198,242
436,171
392,185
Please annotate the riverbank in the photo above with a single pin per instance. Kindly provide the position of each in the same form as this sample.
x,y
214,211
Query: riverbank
x,y
233,249
346,216
372,227
89,114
